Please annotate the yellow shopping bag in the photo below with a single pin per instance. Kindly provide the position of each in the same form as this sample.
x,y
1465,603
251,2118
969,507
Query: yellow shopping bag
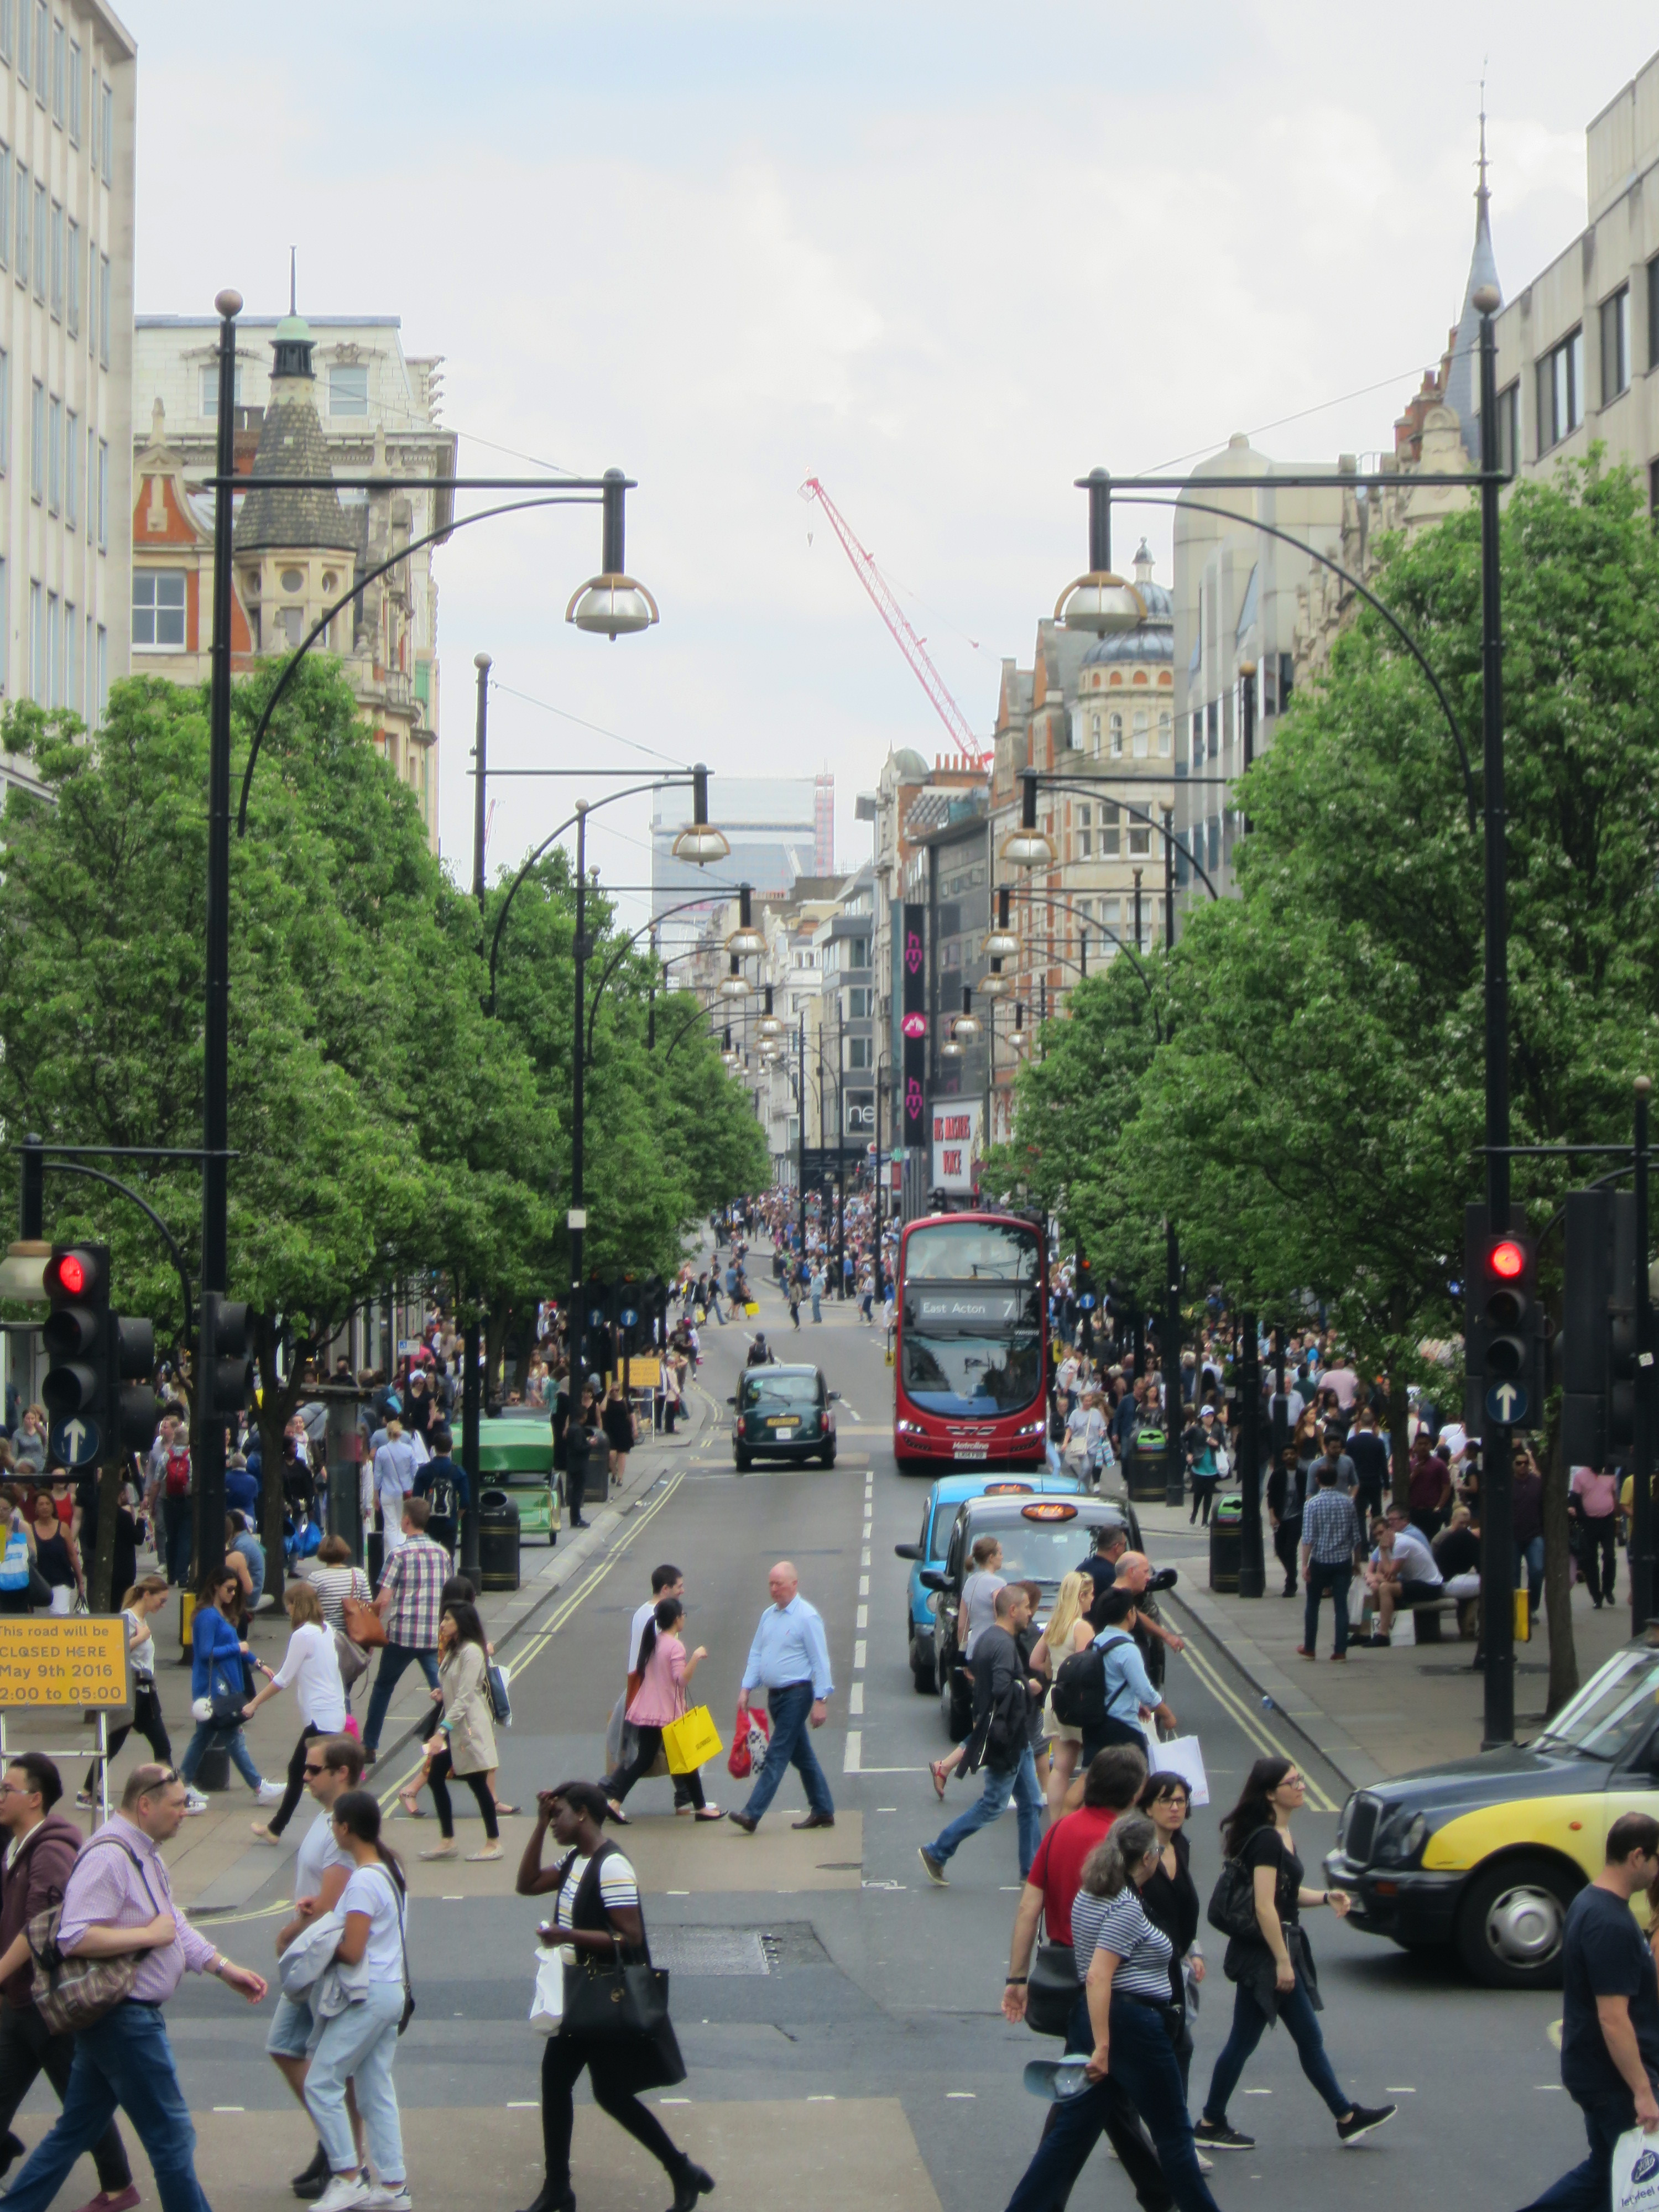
x,y
752,1308
691,1741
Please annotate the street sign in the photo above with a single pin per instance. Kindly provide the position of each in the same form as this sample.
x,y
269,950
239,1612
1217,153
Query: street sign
x,y
76,1442
1506,1403
63,1663
596,1317
628,1317
1087,1302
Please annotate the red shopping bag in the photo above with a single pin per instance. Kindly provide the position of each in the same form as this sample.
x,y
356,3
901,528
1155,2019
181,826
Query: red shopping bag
x,y
750,1736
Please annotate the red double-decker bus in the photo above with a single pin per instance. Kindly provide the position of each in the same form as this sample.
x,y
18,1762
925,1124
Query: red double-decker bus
x,y
970,1364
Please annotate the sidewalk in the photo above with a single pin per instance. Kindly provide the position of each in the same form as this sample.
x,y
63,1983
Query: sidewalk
x,y
1381,1712
214,1861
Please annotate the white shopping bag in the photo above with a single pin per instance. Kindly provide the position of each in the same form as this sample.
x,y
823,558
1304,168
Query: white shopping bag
x,y
547,2006
1182,1755
1636,2172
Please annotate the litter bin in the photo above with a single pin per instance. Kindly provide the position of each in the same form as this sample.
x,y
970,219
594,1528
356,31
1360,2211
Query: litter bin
x,y
498,1541
1147,1463
777,1266
1226,1544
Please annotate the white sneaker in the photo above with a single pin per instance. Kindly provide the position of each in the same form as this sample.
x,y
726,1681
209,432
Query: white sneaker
x,y
270,1793
346,2192
1204,2165
194,1800
384,2197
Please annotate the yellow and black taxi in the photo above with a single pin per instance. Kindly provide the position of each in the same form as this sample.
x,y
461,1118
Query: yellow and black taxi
x,y
1486,1854
783,1413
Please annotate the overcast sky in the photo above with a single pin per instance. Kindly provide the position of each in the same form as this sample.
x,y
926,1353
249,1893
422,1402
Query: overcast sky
x,y
946,258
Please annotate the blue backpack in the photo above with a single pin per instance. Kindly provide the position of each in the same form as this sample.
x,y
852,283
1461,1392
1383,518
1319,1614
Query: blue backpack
x,y
15,1568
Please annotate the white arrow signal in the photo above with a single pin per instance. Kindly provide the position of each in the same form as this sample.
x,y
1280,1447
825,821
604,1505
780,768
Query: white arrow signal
x,y
74,1436
1506,1393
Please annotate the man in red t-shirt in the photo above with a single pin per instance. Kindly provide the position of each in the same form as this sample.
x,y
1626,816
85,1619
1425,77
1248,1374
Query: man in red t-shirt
x,y
1110,1787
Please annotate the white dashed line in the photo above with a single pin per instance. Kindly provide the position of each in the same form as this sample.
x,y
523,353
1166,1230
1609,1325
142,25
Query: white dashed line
x,y
855,1701
820,2101
864,1557
523,2103
862,1619
851,1758
864,1585
962,2096
858,1649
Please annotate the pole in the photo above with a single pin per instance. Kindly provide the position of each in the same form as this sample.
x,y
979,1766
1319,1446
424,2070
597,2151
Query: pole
x,y
1641,1598
841,1152
1169,889
209,1453
1139,946
1174,1464
471,1567
577,1217
1248,705
800,1130
1251,1566
1497,1515
1281,1407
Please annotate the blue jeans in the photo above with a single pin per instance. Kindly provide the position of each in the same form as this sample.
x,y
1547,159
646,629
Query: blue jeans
x,y
1143,2077
176,1538
1588,2187
394,1658
818,1310
359,2045
1531,1557
123,2059
222,1735
1001,1783
791,1745
1248,2022
1335,1579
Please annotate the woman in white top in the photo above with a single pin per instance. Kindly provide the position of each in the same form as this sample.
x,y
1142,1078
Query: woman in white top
x,y
148,1595
360,2043
312,1665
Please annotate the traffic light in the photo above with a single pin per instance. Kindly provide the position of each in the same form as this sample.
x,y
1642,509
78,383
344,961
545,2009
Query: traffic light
x,y
77,1391
224,1383
137,1408
1598,1406
1503,1348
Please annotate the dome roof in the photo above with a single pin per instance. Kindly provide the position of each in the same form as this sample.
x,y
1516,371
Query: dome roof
x,y
909,765
1152,640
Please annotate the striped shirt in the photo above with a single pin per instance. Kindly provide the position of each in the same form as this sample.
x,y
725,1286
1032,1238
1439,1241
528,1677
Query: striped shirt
x,y
1329,1527
1119,1925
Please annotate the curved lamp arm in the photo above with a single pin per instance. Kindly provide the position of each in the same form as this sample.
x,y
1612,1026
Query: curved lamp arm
x,y
1033,899
633,938
1091,790
415,546
97,1175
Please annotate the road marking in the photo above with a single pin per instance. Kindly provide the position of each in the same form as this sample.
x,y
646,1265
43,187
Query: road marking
x,y
676,1892
1263,1738
851,1756
230,2108
452,1897
864,1557
673,2100
858,1649
853,1410
862,1620
963,2096
855,1699
887,1808
1398,2089
1258,2092
523,2103
864,1585
820,2101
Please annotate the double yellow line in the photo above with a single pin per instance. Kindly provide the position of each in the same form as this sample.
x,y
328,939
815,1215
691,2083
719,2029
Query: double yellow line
x,y
1261,1735
539,1642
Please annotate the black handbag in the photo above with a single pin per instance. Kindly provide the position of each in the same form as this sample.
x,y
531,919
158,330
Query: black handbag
x,y
226,1700
1052,1990
612,2000
1232,1903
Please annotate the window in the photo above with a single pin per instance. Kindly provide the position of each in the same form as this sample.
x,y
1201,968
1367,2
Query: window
x,y
1653,313
5,201
40,51
42,242
37,641
59,101
97,119
71,659
99,698
92,296
54,652
75,93
158,609
1165,733
860,1052
211,390
1140,840
23,20
1094,735
1115,726
1560,390
348,391
1139,734
5,412
1615,345
5,30
107,166
1509,429
1084,831
5,626
72,320
38,439
861,1003
57,262
103,495
54,454
71,467
22,258
103,310
1108,833
1212,728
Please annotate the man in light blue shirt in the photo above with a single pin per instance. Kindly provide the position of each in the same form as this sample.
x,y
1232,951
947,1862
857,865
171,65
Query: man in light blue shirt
x,y
394,1480
1128,1688
789,1659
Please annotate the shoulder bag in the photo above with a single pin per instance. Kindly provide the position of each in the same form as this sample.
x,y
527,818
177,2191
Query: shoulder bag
x,y
400,1898
622,2005
1232,1903
362,1624
73,1993
1052,1990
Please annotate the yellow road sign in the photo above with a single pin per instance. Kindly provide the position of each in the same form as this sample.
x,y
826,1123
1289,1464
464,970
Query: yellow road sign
x,y
63,1663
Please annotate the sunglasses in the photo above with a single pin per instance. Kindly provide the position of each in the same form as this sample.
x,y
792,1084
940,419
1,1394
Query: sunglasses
x,y
309,1770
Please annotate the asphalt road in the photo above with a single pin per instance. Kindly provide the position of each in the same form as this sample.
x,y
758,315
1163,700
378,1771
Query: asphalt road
x,y
838,2015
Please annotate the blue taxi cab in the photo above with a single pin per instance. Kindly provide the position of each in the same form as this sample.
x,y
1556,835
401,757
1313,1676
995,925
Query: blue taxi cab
x,y
937,1517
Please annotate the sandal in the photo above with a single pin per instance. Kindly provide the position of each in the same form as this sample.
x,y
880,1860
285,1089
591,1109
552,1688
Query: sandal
x,y
936,1768
410,1802
504,1812
708,1813
616,1813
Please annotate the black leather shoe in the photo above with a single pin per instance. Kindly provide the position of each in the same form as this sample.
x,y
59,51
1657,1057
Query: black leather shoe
x,y
10,2149
815,1820
691,2182
742,1821
315,2179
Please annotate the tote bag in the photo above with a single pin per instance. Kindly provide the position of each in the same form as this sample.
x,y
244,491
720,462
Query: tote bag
x,y
1635,2172
1182,1755
691,1740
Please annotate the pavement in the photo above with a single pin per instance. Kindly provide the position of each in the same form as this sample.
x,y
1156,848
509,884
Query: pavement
x,y
1382,1711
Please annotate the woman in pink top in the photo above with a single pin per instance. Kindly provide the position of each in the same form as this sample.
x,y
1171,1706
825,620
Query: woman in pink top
x,y
664,1671
1593,1501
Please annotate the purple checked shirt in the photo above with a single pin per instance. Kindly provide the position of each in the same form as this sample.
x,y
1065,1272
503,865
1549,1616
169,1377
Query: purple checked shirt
x,y
104,1889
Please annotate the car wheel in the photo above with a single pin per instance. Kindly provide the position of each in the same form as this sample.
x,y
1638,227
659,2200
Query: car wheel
x,y
909,1466
1510,1927
740,1460
827,1455
922,1671
955,1711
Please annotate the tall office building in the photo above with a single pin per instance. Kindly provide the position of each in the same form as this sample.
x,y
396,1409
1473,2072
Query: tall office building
x,y
68,96
823,825
771,823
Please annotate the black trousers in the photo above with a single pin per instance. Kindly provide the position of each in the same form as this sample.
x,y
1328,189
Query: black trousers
x,y
296,1783
687,1787
1598,1555
442,1768
575,1487
1287,1537
28,2048
564,2057
147,1719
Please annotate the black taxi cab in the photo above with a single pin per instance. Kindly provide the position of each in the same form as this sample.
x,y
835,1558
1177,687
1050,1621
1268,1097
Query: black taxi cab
x,y
1485,1855
783,1413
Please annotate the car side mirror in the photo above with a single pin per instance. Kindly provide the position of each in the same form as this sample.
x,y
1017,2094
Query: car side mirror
x,y
907,1551
731,1401
932,1579
835,1393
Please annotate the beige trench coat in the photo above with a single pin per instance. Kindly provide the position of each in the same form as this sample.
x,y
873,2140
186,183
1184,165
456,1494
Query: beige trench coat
x,y
466,1710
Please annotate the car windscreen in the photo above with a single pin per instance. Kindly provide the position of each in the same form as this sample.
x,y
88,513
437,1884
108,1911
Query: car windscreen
x,y
1613,1708
765,1386
972,1377
971,1252
1036,1550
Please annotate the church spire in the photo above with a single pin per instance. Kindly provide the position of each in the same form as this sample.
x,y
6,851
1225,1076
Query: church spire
x,y
1462,375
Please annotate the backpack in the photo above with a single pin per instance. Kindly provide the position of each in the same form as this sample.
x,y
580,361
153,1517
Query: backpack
x,y
440,1498
176,1482
1079,1693
73,1993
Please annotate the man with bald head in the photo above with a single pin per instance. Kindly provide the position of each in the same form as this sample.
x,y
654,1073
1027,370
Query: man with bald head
x,y
789,1659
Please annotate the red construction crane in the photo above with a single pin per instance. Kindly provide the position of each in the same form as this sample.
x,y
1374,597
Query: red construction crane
x,y
893,615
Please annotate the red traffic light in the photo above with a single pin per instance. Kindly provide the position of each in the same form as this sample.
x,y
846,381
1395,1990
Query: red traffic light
x,y
72,1274
1506,1260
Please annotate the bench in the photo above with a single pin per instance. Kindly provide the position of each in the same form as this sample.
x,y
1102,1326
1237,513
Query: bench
x,y
1429,1616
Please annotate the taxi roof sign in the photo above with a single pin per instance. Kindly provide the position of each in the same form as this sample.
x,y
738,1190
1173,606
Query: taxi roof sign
x,y
1005,1489
1048,1509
